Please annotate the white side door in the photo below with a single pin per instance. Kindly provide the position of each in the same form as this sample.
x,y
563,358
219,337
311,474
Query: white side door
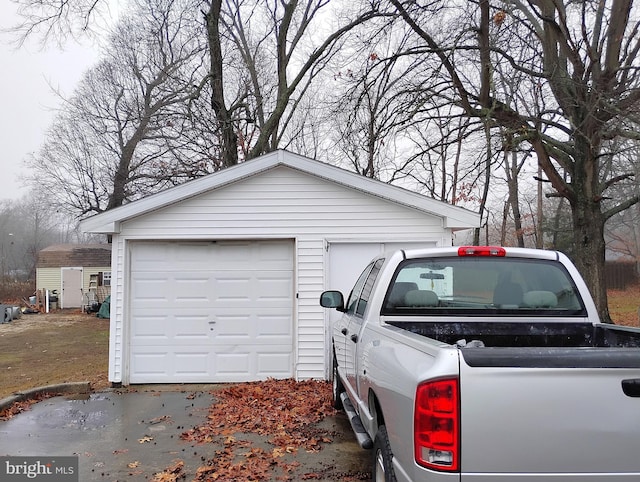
x,y
71,296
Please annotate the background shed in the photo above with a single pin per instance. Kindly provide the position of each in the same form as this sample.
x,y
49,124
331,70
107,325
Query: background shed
x,y
80,274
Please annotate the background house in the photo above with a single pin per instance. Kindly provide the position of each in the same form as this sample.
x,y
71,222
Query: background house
x,y
218,280
80,274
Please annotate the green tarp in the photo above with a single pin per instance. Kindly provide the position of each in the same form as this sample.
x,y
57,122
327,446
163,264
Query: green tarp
x,y
103,312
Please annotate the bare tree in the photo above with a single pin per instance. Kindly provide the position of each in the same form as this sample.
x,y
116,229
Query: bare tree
x,y
282,47
582,58
263,59
370,117
27,225
118,137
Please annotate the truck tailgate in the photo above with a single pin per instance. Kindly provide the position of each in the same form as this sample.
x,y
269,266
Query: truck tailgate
x,y
568,422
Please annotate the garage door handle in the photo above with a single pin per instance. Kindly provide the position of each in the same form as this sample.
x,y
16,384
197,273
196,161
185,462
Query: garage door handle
x,y
344,331
354,338
211,327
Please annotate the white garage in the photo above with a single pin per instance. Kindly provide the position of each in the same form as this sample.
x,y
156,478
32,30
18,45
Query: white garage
x,y
218,280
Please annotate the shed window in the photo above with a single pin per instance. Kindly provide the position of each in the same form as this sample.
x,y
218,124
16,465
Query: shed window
x,y
105,278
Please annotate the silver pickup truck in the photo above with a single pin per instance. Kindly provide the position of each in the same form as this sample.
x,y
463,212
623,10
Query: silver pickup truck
x,y
485,364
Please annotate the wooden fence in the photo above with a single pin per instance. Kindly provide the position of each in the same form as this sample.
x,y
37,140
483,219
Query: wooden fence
x,y
621,274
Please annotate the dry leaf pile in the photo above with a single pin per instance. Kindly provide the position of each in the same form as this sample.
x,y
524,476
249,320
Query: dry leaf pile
x,y
282,410
22,406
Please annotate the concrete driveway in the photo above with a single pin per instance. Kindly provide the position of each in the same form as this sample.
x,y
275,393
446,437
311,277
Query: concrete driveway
x,y
131,435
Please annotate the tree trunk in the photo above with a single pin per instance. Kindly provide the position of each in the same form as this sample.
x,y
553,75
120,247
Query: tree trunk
x,y
539,215
228,134
485,190
588,230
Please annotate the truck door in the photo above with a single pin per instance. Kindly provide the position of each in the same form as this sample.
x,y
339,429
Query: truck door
x,y
340,326
356,321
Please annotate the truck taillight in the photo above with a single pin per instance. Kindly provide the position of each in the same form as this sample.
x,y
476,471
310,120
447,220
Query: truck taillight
x,y
436,428
481,251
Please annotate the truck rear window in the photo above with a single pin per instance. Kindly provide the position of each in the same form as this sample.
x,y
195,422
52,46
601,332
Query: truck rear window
x,y
482,286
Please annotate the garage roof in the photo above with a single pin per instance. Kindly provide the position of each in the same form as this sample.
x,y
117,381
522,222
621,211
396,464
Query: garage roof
x,y
454,217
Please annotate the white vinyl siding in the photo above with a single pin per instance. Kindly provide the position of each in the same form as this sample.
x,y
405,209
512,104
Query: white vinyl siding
x,y
119,267
280,203
311,327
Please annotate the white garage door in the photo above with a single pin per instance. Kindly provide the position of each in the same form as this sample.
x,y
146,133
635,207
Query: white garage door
x,y
211,311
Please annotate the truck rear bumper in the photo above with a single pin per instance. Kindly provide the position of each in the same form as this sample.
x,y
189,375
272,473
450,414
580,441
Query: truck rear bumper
x,y
550,477
421,474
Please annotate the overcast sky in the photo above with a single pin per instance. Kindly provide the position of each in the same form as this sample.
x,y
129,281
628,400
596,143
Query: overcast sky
x,y
27,104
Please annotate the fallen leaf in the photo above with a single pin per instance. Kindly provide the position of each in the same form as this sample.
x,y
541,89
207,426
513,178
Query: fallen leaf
x,y
163,418
171,473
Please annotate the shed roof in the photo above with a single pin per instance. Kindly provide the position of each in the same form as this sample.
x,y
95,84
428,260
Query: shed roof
x,y
454,217
61,255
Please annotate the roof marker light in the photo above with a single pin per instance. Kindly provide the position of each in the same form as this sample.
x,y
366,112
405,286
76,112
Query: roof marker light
x,y
481,251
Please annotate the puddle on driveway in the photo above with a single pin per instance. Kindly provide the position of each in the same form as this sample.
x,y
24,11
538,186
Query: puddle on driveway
x,y
106,430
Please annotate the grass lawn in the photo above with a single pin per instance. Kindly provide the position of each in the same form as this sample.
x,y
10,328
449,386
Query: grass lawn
x,y
624,306
43,349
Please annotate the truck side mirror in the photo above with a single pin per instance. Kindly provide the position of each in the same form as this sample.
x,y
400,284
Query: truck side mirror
x,y
332,299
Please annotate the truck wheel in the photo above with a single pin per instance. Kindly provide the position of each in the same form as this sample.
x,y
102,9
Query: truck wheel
x,y
337,387
382,468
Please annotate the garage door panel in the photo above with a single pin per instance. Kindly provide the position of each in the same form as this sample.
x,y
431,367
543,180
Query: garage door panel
x,y
270,364
190,328
211,312
192,363
271,326
262,362
186,364
257,255
192,289
230,328
180,329
268,323
149,289
259,287
232,366
148,364
151,328
273,289
227,288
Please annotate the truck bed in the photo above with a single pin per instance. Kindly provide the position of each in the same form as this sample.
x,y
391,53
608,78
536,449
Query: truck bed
x,y
544,345
519,334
